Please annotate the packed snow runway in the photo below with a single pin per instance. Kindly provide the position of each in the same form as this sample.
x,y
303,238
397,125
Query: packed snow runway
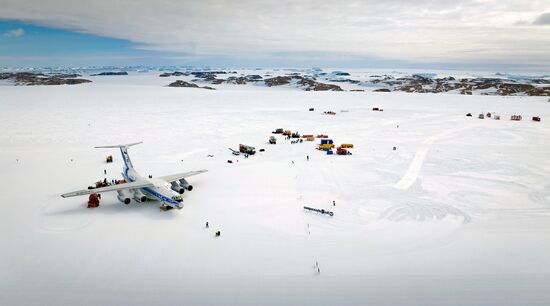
x,y
458,214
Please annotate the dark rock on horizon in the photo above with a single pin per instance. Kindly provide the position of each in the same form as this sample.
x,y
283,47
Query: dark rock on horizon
x,y
180,83
175,73
236,80
278,81
253,77
31,79
110,73
307,84
345,81
205,74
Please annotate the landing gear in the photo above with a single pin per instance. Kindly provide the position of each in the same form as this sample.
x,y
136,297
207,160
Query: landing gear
x,y
165,207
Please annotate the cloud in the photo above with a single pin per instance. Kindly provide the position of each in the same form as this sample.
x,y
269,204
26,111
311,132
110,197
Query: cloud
x,y
419,31
15,33
543,19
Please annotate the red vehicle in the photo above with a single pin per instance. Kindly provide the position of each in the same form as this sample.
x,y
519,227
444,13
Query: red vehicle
x,y
247,149
342,151
93,200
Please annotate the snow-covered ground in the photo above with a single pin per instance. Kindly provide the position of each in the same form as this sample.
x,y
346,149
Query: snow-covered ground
x,y
459,214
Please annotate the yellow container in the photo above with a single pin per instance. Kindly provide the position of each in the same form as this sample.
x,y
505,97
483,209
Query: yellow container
x,y
347,145
310,138
326,146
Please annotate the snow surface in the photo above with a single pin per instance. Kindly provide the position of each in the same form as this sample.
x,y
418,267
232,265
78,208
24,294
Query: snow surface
x,y
459,214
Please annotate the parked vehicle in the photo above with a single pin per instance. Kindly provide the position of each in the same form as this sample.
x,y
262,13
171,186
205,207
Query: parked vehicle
x,y
247,149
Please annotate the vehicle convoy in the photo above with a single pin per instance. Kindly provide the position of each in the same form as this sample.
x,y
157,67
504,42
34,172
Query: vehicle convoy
x,y
165,189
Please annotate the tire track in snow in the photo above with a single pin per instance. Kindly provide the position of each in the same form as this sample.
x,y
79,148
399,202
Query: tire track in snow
x,y
408,179
423,212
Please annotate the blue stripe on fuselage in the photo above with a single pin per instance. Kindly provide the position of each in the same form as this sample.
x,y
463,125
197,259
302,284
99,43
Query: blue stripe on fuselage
x,y
160,196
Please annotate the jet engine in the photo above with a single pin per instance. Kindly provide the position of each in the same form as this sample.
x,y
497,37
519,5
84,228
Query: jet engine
x,y
124,196
186,185
177,188
139,196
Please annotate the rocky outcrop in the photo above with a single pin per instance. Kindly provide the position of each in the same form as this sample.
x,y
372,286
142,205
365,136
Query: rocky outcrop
x,y
345,81
415,83
508,89
236,80
278,81
307,84
209,77
180,83
110,73
340,73
175,73
67,75
204,74
31,79
253,77
464,86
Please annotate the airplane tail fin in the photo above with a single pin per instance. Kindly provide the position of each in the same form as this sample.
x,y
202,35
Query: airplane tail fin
x,y
124,151
121,145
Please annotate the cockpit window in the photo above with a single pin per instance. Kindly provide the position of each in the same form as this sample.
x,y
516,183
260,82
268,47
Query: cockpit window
x,y
177,198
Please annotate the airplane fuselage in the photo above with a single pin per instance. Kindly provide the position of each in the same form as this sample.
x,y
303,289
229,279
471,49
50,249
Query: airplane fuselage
x,y
160,190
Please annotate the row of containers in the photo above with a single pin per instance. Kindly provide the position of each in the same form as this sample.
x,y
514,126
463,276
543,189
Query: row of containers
x,y
497,117
326,144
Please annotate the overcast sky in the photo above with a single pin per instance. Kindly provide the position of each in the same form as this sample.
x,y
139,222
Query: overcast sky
x,y
481,32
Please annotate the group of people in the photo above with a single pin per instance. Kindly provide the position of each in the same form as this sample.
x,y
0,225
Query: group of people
x,y
217,233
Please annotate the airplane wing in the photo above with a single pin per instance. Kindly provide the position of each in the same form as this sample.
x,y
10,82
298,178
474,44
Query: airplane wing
x,y
179,176
131,185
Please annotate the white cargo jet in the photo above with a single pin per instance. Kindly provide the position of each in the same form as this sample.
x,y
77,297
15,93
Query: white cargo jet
x,y
166,189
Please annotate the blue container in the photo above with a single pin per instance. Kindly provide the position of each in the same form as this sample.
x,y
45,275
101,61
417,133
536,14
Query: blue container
x,y
329,152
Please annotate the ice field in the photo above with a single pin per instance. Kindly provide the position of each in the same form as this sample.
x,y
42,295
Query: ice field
x,y
458,214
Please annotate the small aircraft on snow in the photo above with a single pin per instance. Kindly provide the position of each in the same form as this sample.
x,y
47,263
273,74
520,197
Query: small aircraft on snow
x,y
166,189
